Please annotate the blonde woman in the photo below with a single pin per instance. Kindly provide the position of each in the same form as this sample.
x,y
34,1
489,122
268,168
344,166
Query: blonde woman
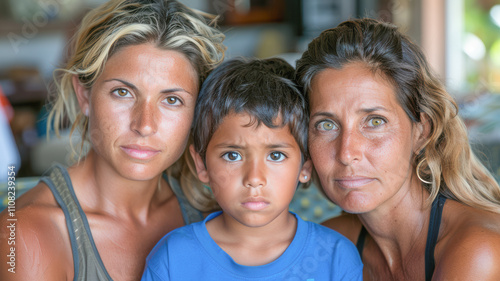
x,y
130,87
390,149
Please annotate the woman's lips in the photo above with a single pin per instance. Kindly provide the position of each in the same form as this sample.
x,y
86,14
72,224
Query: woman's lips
x,y
139,152
353,182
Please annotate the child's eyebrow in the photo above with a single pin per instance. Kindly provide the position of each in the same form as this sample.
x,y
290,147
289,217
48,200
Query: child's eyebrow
x,y
228,145
271,146
280,145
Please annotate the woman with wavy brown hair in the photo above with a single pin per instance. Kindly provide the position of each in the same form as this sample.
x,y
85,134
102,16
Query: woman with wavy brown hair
x,y
130,89
390,149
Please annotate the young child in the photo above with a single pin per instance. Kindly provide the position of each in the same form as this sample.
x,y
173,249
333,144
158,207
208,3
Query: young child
x,y
250,148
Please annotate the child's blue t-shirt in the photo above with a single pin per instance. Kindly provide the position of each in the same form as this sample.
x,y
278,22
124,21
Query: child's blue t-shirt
x,y
316,253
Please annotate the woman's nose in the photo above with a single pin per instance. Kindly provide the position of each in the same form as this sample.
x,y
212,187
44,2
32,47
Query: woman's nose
x,y
349,147
144,118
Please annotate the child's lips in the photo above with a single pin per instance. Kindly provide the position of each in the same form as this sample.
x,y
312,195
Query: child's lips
x,y
255,203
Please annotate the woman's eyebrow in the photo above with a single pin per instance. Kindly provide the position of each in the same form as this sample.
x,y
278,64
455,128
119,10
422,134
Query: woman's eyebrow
x,y
128,84
323,114
133,87
372,109
173,90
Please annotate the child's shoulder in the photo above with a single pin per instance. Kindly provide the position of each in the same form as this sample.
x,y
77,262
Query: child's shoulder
x,y
171,247
327,236
324,231
330,245
175,239
183,234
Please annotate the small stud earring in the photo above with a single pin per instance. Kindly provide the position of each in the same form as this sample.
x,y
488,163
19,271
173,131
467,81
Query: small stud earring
x,y
86,112
305,177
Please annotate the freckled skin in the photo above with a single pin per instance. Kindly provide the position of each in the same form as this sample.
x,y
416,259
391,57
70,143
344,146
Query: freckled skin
x,y
362,144
352,98
145,97
144,118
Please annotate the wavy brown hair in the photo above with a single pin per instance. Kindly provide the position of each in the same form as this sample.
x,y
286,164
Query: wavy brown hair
x,y
449,163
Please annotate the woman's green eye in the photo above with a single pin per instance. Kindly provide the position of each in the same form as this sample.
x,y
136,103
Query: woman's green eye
x,y
326,126
375,122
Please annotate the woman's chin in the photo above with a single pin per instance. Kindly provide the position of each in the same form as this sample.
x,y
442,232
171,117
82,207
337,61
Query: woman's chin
x,y
355,204
140,172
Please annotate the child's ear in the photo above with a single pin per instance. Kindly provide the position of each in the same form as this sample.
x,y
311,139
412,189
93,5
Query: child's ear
x,y
82,94
201,170
306,171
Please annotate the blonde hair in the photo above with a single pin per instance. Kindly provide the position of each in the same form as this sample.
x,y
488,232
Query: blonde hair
x,y
450,165
167,24
199,195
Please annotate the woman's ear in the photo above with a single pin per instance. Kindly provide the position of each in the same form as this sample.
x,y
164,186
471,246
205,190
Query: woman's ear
x,y
421,134
306,171
82,94
201,170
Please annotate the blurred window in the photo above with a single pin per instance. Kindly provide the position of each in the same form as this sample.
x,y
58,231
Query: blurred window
x,y
480,39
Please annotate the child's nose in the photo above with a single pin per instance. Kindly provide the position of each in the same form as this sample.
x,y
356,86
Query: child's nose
x,y
255,174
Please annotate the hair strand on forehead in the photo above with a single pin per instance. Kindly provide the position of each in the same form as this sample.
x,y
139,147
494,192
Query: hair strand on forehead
x,y
263,89
116,24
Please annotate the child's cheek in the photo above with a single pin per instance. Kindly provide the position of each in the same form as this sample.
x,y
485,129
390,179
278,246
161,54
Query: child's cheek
x,y
221,178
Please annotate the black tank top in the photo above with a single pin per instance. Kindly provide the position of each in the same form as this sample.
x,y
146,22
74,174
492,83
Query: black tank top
x,y
432,235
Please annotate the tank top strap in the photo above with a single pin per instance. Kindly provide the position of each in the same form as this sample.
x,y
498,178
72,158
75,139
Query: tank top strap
x,y
87,262
189,213
432,235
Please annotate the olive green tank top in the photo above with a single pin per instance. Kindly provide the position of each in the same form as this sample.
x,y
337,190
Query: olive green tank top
x,y
87,262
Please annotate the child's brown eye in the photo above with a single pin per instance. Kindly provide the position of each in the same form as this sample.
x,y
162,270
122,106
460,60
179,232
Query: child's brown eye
x,y
276,156
231,156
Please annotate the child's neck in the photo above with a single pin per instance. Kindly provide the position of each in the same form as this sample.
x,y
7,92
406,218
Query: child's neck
x,y
252,246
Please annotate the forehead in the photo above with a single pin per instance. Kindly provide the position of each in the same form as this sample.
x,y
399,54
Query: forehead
x,y
147,61
244,126
352,86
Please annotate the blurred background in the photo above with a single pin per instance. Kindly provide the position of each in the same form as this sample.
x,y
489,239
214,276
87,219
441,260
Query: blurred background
x,y
461,39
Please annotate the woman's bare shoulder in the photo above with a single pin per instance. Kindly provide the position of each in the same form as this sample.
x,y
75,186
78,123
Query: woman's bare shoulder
x,y
40,241
470,245
346,224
